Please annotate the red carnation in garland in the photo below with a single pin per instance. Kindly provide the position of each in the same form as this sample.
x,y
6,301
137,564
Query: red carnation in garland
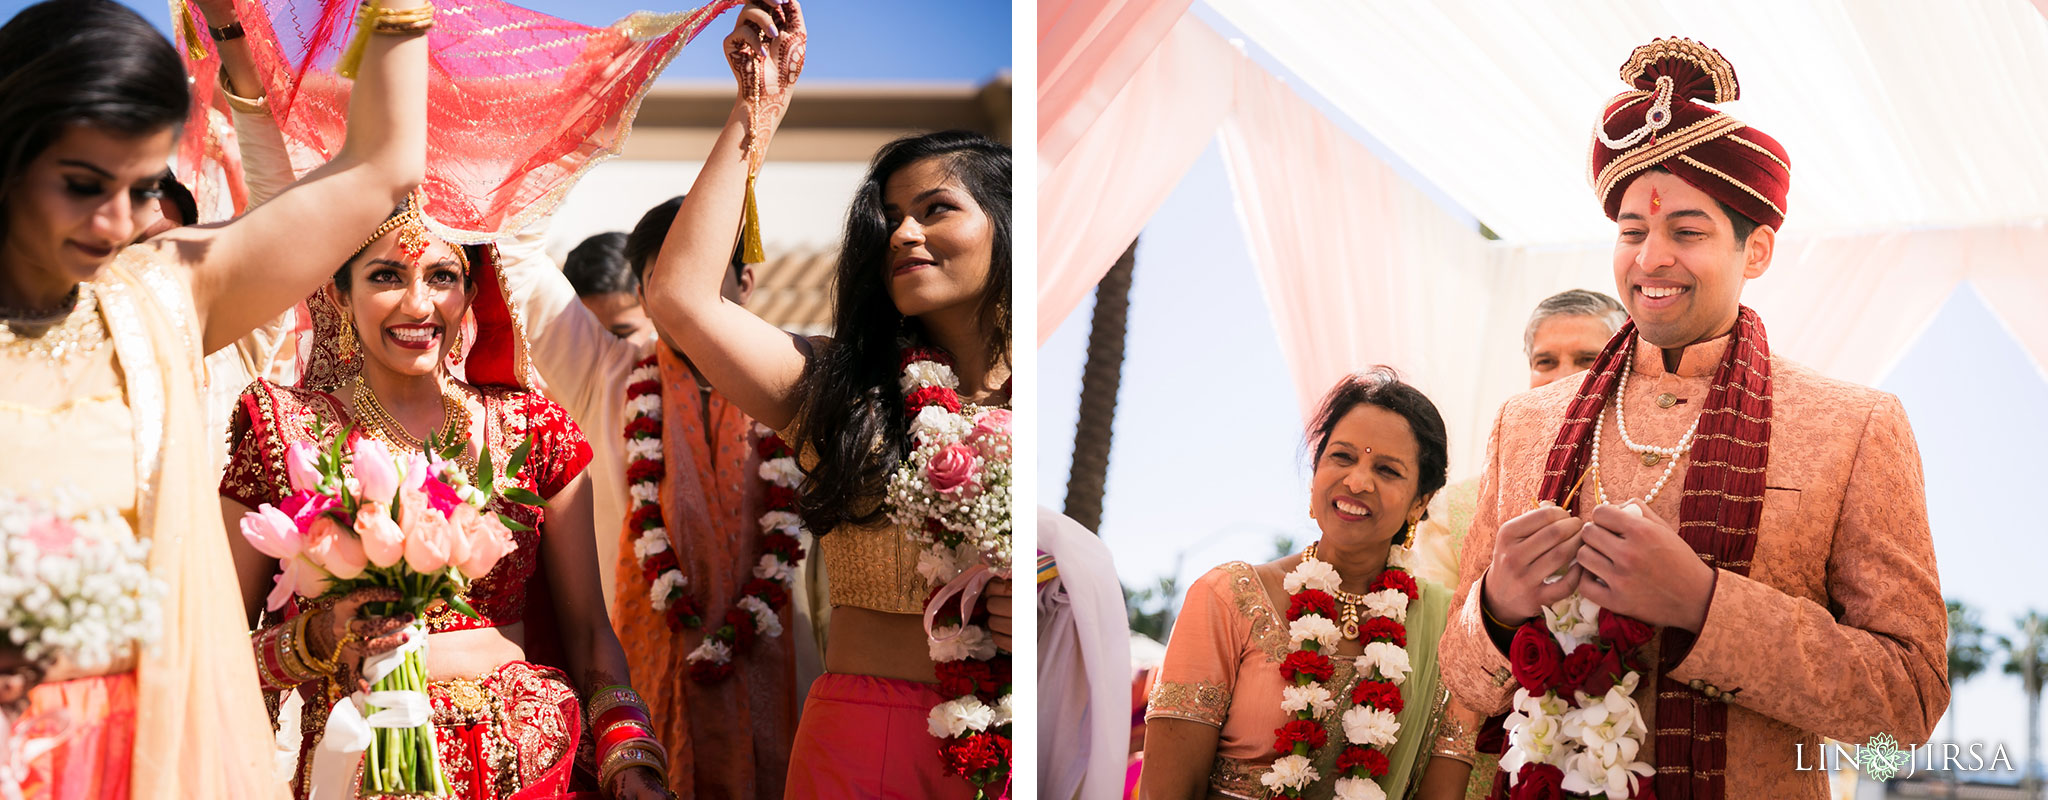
x,y
643,428
1367,762
682,614
1625,633
1311,601
1378,694
1383,629
648,515
1539,782
742,625
932,396
642,389
964,677
1303,662
770,592
975,753
644,470
780,498
1300,731
914,354
770,446
659,563
1534,658
707,670
1396,578
783,545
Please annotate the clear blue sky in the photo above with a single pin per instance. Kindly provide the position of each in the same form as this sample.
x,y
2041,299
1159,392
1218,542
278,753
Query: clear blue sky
x,y
917,41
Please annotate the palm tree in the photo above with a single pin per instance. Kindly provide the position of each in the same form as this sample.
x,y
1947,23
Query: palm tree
x,y
2027,656
1967,656
1086,479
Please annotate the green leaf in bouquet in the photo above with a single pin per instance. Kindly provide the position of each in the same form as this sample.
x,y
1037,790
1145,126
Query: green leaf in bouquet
x,y
523,497
519,455
484,474
513,524
462,606
453,449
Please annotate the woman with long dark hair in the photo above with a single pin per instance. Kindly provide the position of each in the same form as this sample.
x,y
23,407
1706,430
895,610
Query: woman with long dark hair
x,y
923,299
99,349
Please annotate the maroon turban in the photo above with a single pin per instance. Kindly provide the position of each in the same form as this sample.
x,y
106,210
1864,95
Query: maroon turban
x,y
1665,123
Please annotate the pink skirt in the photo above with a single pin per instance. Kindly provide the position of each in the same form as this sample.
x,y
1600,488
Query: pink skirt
x,y
94,719
865,737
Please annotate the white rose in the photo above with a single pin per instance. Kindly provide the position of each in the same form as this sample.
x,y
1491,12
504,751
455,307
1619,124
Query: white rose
x,y
1372,727
1389,603
1289,772
1317,627
1313,698
1391,661
1317,575
1359,789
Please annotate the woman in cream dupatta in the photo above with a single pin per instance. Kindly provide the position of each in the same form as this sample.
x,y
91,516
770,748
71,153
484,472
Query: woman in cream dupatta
x,y
100,348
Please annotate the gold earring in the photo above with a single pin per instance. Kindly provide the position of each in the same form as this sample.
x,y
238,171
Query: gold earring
x,y
455,347
348,338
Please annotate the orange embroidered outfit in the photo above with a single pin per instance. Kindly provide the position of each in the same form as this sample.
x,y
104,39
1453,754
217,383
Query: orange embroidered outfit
x,y
730,737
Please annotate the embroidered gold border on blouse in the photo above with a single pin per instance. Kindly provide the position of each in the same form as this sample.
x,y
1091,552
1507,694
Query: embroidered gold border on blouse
x,y
1203,702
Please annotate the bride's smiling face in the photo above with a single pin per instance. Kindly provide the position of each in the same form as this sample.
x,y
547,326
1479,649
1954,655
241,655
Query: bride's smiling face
x,y
407,312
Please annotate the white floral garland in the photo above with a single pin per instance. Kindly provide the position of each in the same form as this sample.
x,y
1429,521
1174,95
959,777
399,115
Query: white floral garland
x,y
1596,742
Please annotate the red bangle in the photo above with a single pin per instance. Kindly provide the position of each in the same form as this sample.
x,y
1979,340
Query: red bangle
x,y
618,736
268,647
606,719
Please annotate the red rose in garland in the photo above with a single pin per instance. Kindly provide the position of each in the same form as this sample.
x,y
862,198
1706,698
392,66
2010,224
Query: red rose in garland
x,y
1577,668
1627,633
1534,657
1538,782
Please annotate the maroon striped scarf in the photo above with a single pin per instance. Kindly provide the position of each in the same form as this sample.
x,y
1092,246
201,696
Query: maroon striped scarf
x,y
1724,499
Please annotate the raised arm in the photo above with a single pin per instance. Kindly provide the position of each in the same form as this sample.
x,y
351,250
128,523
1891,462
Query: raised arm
x,y
752,362
249,270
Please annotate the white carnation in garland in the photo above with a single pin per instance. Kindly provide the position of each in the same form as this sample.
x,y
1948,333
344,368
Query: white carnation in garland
x,y
665,584
645,492
972,642
1372,727
651,542
772,568
1389,603
936,424
959,717
1390,660
1314,574
711,650
766,621
1313,698
782,472
646,405
922,374
1003,715
782,522
1359,789
643,450
1316,627
1290,772
643,374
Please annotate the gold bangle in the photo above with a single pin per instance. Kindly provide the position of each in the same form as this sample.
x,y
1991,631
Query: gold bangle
x,y
630,755
322,666
1496,620
609,699
402,28
399,22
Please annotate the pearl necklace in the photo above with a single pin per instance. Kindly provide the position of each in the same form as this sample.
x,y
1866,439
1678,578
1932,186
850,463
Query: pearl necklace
x,y
1621,424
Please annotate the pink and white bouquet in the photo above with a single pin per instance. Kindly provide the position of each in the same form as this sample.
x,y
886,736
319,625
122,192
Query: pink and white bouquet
x,y
364,517
952,494
74,588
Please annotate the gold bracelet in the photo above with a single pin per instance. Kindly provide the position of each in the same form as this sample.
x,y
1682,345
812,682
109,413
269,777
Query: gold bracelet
x,y
402,28
629,755
393,22
609,699
322,666
1495,620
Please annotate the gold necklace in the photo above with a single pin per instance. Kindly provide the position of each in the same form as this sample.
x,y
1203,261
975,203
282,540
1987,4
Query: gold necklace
x,y
1348,603
381,425
62,340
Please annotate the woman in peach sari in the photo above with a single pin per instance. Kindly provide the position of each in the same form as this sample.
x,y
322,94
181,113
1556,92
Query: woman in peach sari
x,y
99,354
1383,726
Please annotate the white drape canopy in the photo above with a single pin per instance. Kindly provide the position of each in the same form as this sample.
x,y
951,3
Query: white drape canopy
x,y
1912,129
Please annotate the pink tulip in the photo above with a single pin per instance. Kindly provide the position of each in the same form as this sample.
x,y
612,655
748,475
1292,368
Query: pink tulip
x,y
459,539
374,470
299,577
427,543
272,532
416,469
336,550
304,507
489,542
299,461
383,543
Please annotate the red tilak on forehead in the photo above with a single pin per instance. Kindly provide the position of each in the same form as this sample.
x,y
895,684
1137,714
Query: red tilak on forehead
x,y
1656,200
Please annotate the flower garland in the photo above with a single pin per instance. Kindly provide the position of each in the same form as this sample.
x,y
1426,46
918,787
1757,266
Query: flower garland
x,y
953,495
757,613
1576,728
1371,725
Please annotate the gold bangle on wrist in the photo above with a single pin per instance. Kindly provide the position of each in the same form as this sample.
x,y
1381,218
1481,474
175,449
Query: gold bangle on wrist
x,y
400,22
628,756
322,666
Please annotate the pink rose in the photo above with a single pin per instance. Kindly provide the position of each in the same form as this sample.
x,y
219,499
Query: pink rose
x,y
993,422
304,507
53,537
299,466
427,542
299,577
383,542
272,533
951,471
416,469
489,542
375,472
335,549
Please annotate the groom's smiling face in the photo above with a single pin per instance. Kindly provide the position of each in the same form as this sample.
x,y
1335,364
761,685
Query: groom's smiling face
x,y
1678,266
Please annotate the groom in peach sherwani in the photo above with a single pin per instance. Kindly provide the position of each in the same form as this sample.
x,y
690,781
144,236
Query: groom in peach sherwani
x,y
1778,539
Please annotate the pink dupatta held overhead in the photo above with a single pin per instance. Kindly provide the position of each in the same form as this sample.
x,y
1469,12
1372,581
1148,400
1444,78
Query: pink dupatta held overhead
x,y
519,104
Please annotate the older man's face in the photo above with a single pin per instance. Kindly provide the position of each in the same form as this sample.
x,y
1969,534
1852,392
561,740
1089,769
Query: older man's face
x,y
1566,345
